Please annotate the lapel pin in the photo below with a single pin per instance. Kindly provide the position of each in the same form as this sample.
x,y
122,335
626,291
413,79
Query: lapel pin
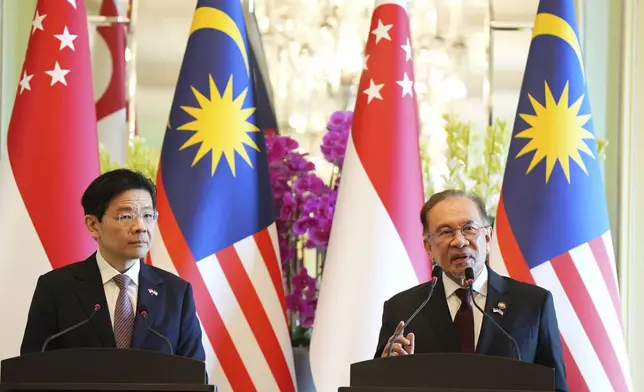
x,y
497,310
501,305
153,292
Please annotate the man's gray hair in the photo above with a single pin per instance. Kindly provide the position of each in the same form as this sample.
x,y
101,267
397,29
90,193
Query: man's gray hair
x,y
451,194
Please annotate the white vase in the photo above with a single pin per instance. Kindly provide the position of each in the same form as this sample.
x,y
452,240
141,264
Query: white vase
x,y
303,369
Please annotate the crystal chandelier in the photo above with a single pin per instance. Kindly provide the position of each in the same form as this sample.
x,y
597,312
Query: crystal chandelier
x,y
314,53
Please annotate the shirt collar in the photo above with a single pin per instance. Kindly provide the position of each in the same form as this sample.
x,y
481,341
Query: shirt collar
x,y
479,285
108,272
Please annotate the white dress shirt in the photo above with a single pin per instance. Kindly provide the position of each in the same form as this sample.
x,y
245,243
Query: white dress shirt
x,y
110,287
480,293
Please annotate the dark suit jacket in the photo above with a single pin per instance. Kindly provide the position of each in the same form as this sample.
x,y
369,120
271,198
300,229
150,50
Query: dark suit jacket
x,y
67,295
529,318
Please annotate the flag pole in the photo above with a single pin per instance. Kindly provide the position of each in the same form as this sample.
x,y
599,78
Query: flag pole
x,y
131,69
129,19
494,26
102,20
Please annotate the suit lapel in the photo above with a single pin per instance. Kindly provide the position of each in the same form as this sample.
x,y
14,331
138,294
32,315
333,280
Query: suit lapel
x,y
150,297
441,319
496,293
89,289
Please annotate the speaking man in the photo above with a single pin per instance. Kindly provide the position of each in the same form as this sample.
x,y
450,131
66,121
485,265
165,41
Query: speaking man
x,y
113,283
457,235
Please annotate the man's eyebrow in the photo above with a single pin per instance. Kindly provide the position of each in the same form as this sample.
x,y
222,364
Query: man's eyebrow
x,y
129,208
445,225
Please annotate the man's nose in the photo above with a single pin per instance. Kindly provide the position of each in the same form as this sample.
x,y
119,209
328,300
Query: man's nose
x,y
139,225
459,240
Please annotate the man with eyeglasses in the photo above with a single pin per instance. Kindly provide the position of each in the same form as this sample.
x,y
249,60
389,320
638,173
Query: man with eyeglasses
x,y
457,235
114,282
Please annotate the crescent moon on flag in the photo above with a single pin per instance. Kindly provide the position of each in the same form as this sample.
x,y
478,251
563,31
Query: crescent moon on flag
x,y
549,24
213,18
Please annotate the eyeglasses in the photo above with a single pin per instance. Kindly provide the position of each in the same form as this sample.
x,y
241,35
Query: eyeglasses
x,y
128,219
470,232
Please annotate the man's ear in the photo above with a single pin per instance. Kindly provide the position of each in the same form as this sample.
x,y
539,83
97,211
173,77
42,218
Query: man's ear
x,y
428,247
488,239
91,222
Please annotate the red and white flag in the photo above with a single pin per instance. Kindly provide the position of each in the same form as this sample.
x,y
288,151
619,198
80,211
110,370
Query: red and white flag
x,y
375,249
51,158
108,70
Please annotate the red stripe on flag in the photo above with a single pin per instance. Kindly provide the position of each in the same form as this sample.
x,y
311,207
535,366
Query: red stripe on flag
x,y
266,249
574,379
512,256
518,269
598,247
585,309
256,316
184,262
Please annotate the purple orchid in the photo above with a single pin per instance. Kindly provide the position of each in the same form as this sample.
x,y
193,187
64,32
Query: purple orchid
x,y
334,143
340,121
304,207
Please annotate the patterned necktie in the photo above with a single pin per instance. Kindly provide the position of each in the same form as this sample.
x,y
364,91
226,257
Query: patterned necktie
x,y
464,321
123,314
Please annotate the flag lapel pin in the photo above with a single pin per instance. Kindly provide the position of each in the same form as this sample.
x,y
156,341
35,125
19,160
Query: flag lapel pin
x,y
500,308
153,292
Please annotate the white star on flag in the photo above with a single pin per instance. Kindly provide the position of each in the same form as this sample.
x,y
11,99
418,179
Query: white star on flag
x,y
57,75
373,91
407,48
66,39
72,2
407,85
382,31
24,82
36,24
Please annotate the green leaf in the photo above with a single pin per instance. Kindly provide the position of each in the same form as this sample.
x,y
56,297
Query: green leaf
x,y
139,157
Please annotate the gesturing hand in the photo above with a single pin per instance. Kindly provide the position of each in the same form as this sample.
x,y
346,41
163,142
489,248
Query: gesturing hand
x,y
403,345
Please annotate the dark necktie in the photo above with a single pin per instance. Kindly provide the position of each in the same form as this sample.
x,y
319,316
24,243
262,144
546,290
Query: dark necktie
x,y
464,321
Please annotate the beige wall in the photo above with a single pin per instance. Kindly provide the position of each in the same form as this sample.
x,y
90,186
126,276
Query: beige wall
x,y
631,185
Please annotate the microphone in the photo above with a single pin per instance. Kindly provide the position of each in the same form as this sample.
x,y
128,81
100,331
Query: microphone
x,y
97,307
436,271
143,311
469,278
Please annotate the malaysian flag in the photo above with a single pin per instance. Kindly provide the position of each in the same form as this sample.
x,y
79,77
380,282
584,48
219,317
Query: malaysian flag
x,y
552,225
215,208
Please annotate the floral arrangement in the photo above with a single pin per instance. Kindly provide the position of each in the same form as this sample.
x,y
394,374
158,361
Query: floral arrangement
x,y
139,157
485,176
477,163
305,203
304,211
